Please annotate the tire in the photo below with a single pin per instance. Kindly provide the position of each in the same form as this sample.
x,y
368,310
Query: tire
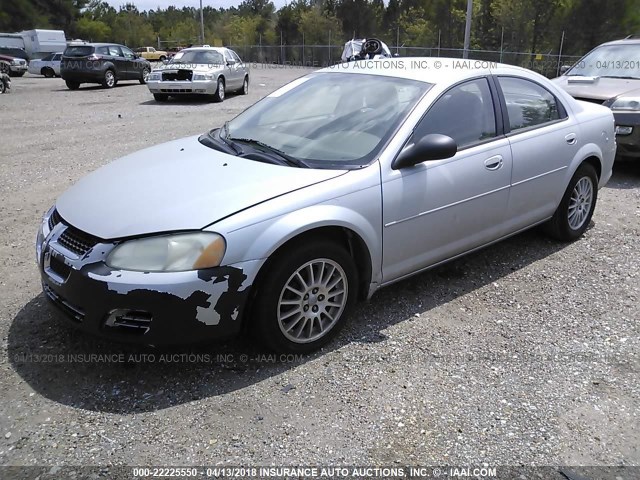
x,y
574,213
275,302
161,97
244,90
162,58
109,79
71,85
2,87
143,76
47,72
219,95
16,74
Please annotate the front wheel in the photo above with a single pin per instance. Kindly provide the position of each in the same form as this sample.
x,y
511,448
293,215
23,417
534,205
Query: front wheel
x,y
161,97
305,297
219,95
245,86
574,213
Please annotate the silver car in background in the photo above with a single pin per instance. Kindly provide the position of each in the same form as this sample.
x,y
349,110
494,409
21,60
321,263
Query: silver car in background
x,y
341,182
209,71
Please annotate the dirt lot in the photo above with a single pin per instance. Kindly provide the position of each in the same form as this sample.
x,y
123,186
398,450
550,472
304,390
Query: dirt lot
x,y
523,354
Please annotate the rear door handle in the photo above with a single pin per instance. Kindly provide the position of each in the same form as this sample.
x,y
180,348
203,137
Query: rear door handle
x,y
571,138
493,163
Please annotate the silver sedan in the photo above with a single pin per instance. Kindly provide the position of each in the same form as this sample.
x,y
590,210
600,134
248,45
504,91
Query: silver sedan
x,y
209,71
339,183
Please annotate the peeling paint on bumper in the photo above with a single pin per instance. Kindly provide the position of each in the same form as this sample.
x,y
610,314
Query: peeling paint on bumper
x,y
141,307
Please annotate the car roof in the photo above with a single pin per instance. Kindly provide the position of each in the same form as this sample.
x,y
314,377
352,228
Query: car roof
x,y
630,40
432,70
215,49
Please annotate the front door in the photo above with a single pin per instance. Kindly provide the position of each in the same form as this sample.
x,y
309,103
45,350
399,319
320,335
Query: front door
x,y
442,208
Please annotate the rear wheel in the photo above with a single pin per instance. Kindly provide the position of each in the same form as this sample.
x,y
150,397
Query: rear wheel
x,y
161,97
162,58
306,297
47,72
109,79
219,95
144,75
71,85
574,213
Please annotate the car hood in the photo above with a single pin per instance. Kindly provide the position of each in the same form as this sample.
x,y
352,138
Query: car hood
x,y
180,185
597,88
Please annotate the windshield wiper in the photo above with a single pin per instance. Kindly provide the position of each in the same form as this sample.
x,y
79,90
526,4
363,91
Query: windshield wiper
x,y
296,162
616,76
227,140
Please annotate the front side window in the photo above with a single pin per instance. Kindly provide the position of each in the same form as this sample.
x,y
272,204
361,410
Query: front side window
x,y
528,104
48,58
115,51
464,113
127,53
235,56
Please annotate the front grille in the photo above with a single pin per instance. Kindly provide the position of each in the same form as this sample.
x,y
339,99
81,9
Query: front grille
x,y
54,219
74,312
131,321
179,76
77,241
176,90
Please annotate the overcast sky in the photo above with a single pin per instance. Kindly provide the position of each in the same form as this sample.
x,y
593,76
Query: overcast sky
x,y
154,4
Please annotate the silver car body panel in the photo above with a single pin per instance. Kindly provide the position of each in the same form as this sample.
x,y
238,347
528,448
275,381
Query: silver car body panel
x,y
409,219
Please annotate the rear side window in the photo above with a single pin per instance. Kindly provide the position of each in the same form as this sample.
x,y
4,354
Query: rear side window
x,y
529,104
102,50
48,58
78,51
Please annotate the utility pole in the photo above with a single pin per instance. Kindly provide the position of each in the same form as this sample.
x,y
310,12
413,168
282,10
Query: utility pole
x,y
467,30
201,25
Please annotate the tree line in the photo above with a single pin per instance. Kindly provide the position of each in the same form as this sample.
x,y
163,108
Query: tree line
x,y
516,25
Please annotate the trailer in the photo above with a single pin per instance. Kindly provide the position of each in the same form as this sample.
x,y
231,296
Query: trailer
x,y
39,43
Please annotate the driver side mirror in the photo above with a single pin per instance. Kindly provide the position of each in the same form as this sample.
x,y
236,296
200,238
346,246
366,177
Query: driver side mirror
x,y
564,69
430,147
231,62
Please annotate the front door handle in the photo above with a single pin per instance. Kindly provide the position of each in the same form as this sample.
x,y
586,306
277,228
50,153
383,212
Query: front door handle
x,y
493,163
571,138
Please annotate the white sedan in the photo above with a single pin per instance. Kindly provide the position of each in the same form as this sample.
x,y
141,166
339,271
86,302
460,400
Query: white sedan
x,y
48,66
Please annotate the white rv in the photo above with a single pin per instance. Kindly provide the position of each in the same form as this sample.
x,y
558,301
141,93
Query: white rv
x,y
40,43
11,40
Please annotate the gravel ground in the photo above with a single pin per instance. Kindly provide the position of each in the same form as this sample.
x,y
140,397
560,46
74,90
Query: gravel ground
x,y
523,354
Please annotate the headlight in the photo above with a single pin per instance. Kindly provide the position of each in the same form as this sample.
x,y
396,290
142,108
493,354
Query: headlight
x,y
631,104
203,76
154,77
169,253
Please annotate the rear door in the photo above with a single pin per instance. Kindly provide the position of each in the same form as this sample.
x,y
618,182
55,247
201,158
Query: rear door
x,y
544,140
234,72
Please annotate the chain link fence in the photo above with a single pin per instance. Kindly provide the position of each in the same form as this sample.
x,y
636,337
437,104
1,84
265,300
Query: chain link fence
x,y
324,55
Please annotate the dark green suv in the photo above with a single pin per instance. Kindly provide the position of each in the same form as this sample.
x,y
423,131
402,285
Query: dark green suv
x,y
103,63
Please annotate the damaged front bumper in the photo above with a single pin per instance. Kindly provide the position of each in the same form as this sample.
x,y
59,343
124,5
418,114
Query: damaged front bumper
x,y
151,308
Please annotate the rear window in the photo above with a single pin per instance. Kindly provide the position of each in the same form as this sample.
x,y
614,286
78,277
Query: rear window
x,y
78,51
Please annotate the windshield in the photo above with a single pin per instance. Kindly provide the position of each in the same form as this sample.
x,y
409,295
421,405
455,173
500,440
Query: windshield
x,y
330,119
203,57
621,61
